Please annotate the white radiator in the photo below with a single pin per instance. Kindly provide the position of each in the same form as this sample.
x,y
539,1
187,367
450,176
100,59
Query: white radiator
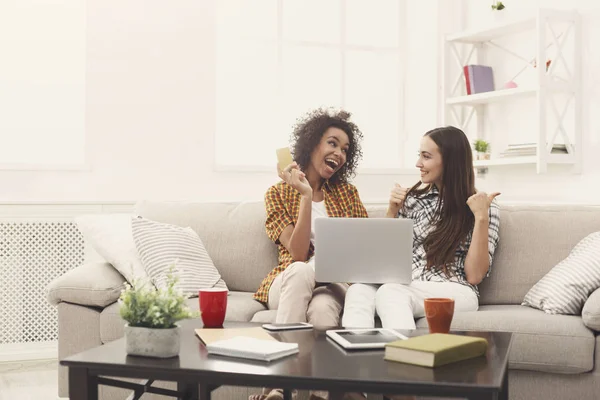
x,y
37,244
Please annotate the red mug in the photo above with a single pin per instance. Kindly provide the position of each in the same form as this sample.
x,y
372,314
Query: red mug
x,y
439,313
213,305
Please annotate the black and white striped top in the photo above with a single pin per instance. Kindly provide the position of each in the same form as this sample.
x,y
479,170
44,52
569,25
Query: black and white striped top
x,y
422,211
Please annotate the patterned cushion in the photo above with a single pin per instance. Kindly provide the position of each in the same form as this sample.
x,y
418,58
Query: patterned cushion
x,y
160,245
567,286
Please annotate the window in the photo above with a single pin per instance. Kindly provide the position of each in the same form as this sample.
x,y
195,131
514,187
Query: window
x,y
42,84
277,59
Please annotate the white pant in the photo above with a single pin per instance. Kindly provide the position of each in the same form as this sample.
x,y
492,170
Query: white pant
x,y
398,305
297,298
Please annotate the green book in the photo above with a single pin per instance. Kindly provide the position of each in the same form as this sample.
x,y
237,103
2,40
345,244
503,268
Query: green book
x,y
435,349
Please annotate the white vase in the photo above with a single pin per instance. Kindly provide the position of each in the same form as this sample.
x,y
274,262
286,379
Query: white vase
x,y
151,342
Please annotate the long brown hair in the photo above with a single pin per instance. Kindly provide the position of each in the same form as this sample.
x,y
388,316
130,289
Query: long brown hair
x,y
453,218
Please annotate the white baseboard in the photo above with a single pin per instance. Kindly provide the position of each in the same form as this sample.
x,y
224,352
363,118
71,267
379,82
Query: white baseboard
x,y
28,351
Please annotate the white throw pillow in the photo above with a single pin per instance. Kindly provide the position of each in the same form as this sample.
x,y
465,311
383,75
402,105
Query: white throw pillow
x,y
110,236
159,245
566,287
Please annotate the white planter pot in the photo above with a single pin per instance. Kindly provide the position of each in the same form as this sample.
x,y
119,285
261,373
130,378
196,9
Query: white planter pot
x,y
149,342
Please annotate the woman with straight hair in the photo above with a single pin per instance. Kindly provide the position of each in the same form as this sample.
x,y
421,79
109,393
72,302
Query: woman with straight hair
x,y
454,237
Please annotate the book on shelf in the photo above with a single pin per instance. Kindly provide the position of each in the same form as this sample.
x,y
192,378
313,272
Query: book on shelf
x,y
252,348
435,349
478,78
530,149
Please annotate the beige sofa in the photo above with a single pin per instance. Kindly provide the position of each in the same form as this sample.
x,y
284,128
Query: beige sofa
x,y
552,357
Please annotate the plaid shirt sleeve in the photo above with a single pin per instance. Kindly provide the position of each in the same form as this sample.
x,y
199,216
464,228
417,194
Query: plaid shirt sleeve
x,y
493,231
358,208
277,215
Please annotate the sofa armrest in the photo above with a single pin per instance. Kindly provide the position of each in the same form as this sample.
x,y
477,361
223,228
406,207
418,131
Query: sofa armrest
x,y
92,284
591,311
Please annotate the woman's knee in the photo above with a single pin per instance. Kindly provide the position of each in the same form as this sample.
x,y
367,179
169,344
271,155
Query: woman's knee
x,y
299,271
393,292
360,292
324,308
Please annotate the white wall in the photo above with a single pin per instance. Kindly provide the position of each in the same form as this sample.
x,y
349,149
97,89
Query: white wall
x,y
521,183
150,113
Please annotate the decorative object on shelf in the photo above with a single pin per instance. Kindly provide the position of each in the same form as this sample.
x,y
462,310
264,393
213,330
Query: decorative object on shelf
x,y
548,62
482,148
151,316
497,6
510,85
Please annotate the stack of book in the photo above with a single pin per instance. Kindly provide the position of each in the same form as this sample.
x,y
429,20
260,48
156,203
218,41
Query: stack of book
x,y
530,149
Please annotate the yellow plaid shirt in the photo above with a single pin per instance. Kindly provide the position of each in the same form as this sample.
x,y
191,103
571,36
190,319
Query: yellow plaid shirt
x,y
282,204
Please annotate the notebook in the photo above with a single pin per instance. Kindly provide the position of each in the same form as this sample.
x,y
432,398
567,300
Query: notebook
x,y
252,348
435,349
209,335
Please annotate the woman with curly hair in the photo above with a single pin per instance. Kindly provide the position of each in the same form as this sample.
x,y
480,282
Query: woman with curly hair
x,y
326,152
454,237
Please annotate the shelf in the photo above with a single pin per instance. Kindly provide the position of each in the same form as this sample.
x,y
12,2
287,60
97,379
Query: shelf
x,y
492,97
534,97
506,161
520,160
493,32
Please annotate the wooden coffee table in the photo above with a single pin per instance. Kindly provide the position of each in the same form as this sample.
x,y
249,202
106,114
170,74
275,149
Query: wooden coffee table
x,y
320,365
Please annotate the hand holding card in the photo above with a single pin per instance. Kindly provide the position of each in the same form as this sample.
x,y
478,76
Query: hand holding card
x,y
284,158
289,172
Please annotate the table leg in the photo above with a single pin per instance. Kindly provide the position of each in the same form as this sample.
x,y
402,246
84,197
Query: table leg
x,y
189,391
503,395
82,386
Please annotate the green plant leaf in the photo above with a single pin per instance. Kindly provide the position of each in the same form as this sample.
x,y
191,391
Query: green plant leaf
x,y
147,307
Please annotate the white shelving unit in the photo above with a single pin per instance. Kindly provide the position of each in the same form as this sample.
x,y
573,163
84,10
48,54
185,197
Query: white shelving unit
x,y
459,108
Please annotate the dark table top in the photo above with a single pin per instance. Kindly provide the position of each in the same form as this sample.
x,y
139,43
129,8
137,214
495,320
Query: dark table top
x,y
319,364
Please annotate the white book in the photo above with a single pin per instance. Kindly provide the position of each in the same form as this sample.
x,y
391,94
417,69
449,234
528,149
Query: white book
x,y
252,348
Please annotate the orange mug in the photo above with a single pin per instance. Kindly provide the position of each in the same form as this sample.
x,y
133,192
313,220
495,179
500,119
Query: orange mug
x,y
439,313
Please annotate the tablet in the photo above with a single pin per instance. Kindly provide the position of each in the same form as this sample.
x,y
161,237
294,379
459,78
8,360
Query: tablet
x,y
372,338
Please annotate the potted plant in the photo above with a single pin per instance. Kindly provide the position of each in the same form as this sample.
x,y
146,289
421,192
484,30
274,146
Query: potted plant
x,y
497,5
482,148
152,315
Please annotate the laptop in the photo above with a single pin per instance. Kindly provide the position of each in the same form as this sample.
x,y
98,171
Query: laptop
x,y
363,250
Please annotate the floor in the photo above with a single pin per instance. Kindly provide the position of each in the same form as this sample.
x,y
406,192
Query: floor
x,y
29,380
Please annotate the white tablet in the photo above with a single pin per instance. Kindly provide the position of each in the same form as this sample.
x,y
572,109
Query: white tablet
x,y
372,338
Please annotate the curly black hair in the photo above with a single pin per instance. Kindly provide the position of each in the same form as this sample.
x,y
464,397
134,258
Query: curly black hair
x,y
310,128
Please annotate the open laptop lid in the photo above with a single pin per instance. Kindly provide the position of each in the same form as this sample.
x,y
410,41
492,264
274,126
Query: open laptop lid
x,y
363,250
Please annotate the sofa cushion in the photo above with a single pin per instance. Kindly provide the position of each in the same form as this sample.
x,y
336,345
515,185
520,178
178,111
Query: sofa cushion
x,y
541,342
110,236
241,307
233,234
92,284
161,245
533,239
591,311
567,286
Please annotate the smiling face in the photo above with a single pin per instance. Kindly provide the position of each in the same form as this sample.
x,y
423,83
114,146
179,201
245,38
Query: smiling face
x,y
430,162
330,154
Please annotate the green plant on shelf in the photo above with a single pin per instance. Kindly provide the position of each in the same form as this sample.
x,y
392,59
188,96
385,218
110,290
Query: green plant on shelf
x,y
497,5
481,146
